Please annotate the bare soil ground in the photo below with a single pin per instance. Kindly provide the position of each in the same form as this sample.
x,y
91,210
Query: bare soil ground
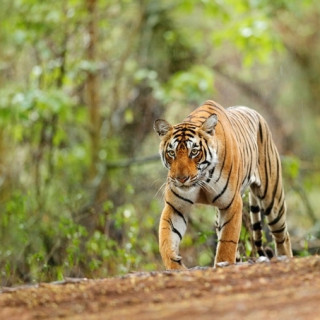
x,y
287,289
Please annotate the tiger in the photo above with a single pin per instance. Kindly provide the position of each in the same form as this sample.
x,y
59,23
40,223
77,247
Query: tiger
x,y
212,157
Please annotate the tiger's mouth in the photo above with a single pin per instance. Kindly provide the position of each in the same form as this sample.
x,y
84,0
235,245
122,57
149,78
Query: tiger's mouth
x,y
184,183
185,187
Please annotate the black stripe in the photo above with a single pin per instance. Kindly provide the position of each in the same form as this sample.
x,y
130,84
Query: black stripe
x,y
280,230
254,209
205,162
245,178
174,229
184,126
277,219
282,208
251,152
177,261
229,241
184,130
177,212
206,148
190,135
234,195
267,180
282,241
204,151
210,175
277,180
180,197
268,210
224,155
176,136
221,227
225,187
260,131
256,226
258,243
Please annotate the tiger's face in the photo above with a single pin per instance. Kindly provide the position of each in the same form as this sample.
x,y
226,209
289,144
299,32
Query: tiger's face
x,y
187,151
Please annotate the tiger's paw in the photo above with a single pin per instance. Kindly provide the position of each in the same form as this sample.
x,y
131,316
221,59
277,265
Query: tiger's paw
x,y
175,263
222,264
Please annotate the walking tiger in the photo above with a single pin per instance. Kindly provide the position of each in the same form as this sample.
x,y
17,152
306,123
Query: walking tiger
x,y
212,157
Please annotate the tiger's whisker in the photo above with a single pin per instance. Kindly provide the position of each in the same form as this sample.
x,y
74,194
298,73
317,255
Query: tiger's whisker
x,y
161,188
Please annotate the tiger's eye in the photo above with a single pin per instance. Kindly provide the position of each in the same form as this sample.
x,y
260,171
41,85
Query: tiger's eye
x,y
171,153
194,152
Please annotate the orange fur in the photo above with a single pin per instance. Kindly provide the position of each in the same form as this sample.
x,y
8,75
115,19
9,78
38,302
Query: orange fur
x,y
212,157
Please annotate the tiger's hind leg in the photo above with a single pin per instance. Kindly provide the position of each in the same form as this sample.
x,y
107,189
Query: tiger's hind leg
x,y
276,218
271,198
274,210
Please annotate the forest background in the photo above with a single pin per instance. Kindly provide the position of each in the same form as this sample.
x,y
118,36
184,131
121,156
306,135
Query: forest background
x,y
81,82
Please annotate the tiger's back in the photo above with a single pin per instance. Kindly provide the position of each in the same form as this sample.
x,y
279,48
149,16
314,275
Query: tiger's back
x,y
212,157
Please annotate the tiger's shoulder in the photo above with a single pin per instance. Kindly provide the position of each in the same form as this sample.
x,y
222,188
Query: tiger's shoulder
x,y
239,115
202,113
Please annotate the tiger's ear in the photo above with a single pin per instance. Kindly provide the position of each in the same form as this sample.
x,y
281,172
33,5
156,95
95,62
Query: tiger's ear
x,y
162,127
209,125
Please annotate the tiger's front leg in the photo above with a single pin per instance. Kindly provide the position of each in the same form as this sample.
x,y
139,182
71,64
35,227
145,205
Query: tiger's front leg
x,y
228,230
172,228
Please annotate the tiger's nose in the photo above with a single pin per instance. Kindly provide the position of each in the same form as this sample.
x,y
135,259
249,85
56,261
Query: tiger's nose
x,y
182,179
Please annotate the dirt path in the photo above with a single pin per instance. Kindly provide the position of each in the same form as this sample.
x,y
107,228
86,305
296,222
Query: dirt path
x,y
288,289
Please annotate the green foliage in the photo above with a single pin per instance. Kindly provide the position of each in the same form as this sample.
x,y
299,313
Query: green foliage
x,y
195,83
245,240
291,167
66,208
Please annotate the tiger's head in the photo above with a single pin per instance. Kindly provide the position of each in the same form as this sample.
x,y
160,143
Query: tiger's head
x,y
188,151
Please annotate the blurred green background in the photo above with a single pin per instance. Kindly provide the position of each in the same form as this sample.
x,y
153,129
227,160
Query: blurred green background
x,y
81,82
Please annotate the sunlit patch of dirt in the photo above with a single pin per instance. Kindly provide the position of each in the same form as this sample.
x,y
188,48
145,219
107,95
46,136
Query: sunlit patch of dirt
x,y
286,289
